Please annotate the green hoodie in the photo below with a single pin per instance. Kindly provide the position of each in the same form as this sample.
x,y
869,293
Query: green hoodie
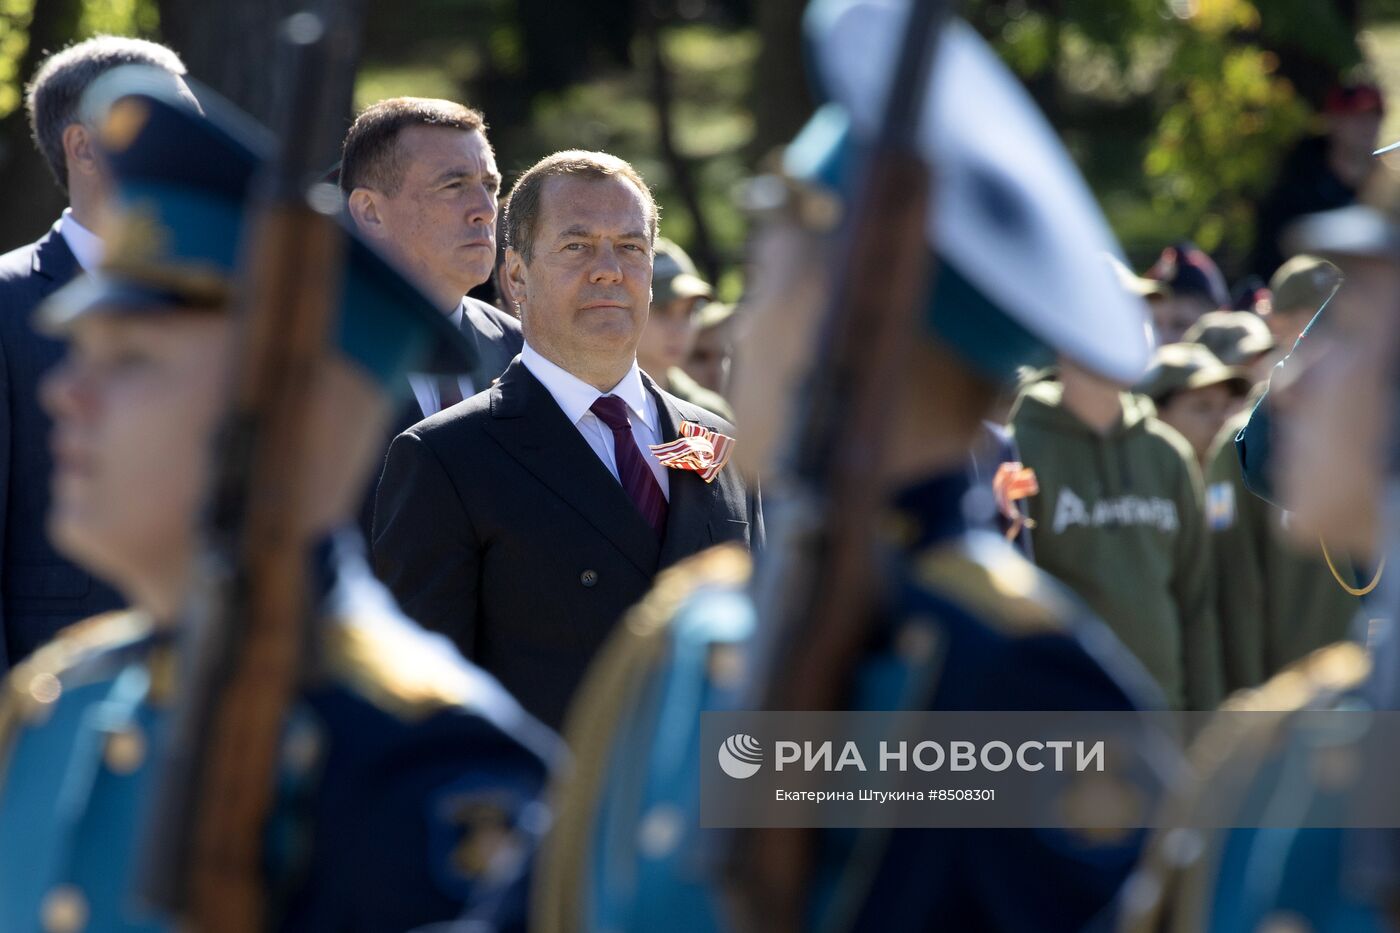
x,y
1119,518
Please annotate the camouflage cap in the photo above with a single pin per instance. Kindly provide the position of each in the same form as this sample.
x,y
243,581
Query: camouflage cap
x,y
674,276
714,313
1235,337
1304,283
1180,366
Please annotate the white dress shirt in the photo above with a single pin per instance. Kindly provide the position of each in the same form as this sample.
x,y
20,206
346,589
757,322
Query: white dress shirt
x,y
425,387
85,245
576,397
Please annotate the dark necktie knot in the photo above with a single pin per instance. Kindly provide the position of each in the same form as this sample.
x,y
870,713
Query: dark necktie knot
x,y
633,471
612,411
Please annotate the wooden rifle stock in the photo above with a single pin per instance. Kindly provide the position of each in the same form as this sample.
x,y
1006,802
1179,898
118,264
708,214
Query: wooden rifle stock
x,y
823,596
248,639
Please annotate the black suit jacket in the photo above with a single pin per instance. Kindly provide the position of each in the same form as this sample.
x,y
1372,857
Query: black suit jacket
x,y
40,592
497,339
499,526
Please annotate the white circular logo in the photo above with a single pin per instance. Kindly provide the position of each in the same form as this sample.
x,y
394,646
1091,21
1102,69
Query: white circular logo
x,y
740,756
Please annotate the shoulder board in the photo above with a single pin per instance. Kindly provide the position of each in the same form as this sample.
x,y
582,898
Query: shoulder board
x,y
1312,682
1224,757
36,683
408,672
728,565
998,585
1314,679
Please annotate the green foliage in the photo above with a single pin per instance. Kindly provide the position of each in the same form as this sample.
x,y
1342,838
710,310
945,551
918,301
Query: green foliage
x,y
119,17
14,38
1200,84
114,17
711,71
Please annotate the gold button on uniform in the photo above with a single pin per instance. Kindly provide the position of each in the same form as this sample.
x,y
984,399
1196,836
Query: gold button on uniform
x,y
588,578
65,910
125,750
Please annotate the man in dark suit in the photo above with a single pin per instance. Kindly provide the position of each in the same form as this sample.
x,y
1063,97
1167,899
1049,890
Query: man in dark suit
x,y
420,182
524,522
41,592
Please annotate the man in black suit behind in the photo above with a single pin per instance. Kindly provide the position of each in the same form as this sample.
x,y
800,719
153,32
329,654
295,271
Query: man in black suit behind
x,y
41,592
421,182
525,521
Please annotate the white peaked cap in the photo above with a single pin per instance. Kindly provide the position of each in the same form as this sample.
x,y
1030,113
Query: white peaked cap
x,y
1010,210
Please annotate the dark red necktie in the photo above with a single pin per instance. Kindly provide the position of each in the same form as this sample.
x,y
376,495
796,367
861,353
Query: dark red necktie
x,y
634,472
449,392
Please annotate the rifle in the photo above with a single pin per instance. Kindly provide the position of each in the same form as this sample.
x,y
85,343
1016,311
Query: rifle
x,y
246,643
819,602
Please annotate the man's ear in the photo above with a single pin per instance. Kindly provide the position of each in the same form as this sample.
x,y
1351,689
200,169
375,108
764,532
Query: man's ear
x,y
364,210
515,274
79,151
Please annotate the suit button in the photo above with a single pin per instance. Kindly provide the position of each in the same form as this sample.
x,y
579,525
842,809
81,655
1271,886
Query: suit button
x,y
588,578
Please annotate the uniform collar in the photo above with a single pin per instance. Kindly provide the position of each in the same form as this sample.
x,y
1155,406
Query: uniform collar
x,y
576,397
932,511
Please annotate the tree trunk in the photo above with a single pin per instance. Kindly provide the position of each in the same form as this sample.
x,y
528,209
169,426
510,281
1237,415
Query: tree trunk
x,y
682,172
780,96
233,49
32,200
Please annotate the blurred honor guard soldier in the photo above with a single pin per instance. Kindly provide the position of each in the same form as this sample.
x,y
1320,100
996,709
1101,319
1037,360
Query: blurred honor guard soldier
x,y
964,622
420,182
526,521
40,591
1273,771
407,779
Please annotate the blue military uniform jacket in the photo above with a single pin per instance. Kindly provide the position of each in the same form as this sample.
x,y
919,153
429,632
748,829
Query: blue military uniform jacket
x,y
972,626
409,786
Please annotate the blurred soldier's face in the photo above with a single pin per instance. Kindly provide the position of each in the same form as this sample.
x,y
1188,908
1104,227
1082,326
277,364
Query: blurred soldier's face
x,y
133,405
1334,409
1199,415
441,224
584,293
668,336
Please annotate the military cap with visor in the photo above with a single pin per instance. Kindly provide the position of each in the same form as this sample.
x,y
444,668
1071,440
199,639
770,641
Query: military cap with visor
x,y
1015,234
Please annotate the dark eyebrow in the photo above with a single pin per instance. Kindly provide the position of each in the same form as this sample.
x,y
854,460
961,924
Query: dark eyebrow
x,y
462,171
578,230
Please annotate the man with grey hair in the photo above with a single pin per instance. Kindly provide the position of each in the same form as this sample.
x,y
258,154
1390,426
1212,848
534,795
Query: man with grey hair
x,y
41,592
523,522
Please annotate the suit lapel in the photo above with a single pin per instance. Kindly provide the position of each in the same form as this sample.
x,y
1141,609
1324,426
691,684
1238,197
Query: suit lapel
x,y
53,259
489,340
692,499
531,427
